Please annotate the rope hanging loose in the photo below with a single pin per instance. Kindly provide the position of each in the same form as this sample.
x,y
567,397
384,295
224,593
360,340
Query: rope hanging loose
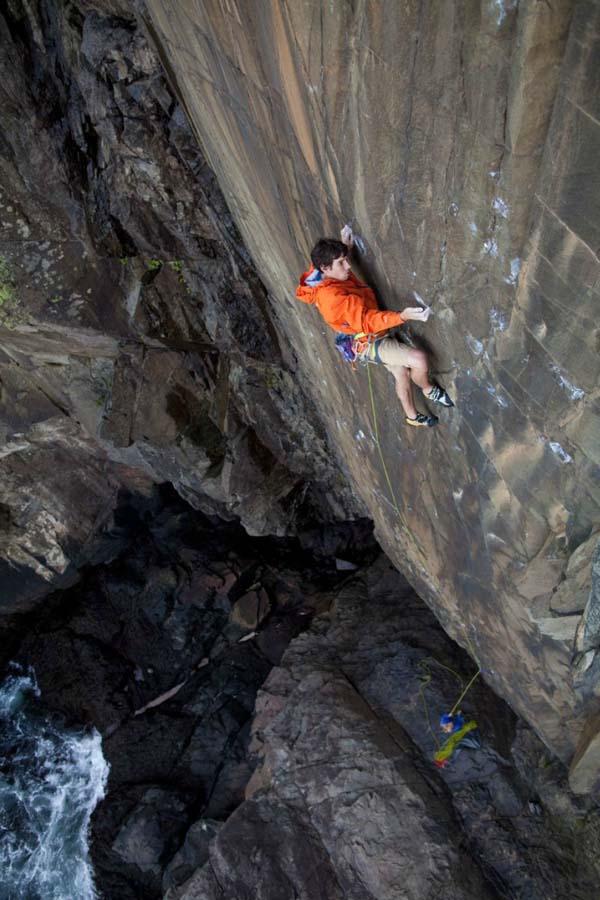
x,y
444,752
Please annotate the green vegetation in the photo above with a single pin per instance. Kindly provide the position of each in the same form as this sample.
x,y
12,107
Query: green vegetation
x,y
271,378
10,312
154,265
176,265
104,385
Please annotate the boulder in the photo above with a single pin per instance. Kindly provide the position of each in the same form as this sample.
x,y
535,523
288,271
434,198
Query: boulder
x,y
583,772
192,854
250,610
572,594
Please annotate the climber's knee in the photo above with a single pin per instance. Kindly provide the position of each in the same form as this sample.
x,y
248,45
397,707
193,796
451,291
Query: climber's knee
x,y
401,373
419,360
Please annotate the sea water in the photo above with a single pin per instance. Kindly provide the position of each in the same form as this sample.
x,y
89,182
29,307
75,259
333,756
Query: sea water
x,y
51,779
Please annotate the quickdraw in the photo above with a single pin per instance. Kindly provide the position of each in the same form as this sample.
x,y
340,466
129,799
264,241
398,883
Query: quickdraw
x,y
360,347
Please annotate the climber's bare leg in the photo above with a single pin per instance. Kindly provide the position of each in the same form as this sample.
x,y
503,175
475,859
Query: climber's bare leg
x,y
402,378
419,370
395,355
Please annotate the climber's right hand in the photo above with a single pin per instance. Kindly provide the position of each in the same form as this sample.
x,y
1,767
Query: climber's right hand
x,y
416,313
346,236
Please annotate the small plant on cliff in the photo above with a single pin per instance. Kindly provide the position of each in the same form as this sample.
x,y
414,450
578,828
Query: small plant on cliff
x,y
154,265
10,312
176,265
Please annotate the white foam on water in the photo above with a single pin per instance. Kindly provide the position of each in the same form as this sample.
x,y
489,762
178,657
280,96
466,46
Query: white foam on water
x,y
51,780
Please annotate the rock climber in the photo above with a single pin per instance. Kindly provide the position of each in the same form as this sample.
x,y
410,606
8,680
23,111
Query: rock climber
x,y
349,307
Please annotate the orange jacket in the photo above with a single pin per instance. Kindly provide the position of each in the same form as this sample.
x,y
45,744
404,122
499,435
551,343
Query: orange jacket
x,y
347,306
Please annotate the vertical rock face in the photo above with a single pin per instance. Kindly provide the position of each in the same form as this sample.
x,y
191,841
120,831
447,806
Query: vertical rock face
x,y
462,139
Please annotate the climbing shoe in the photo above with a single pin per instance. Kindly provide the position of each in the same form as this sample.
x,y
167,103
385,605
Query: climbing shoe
x,y
422,421
437,394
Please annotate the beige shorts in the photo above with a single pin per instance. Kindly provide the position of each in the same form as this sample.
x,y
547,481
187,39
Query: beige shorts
x,y
393,354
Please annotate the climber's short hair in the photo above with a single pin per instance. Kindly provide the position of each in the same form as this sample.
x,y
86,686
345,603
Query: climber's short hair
x,y
325,251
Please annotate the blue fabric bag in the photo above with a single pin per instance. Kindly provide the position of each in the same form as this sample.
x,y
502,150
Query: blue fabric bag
x,y
345,344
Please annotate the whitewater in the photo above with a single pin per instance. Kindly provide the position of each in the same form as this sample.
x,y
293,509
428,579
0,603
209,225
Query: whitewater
x,y
51,779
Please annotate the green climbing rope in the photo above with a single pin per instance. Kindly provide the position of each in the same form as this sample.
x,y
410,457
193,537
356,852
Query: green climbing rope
x,y
378,442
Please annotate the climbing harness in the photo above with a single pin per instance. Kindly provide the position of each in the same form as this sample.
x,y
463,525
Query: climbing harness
x,y
360,347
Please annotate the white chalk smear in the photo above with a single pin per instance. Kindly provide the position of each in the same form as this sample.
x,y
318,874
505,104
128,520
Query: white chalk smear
x,y
560,452
347,234
501,207
500,9
490,247
499,399
498,320
574,392
474,345
420,300
515,268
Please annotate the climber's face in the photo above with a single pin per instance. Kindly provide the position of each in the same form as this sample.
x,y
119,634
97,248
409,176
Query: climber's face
x,y
339,269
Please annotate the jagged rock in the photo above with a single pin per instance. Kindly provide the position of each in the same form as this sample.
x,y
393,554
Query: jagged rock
x,y
573,593
60,500
559,628
251,609
144,838
338,787
354,833
583,773
588,637
192,855
129,306
144,650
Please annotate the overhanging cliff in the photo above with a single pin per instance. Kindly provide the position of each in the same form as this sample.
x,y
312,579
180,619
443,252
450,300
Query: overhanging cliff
x,y
462,139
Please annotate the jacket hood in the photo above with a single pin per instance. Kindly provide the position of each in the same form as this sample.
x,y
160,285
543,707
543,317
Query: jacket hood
x,y
309,282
